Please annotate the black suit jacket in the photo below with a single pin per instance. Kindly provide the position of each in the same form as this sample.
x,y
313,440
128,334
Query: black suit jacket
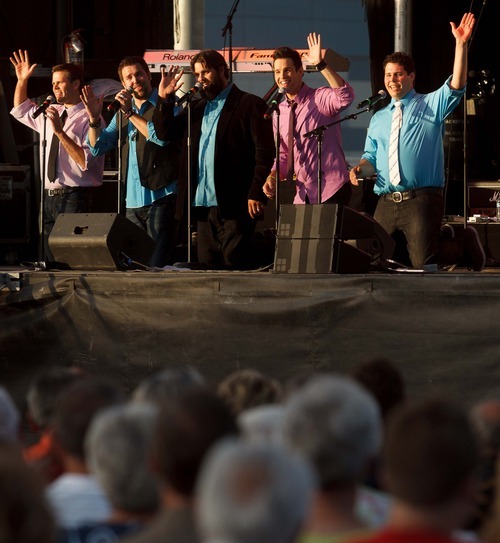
x,y
244,150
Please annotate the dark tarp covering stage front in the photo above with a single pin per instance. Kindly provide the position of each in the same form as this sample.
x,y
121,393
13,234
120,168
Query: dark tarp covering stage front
x,y
442,330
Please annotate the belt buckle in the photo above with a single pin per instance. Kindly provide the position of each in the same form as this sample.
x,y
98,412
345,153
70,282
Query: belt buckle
x,y
397,197
50,192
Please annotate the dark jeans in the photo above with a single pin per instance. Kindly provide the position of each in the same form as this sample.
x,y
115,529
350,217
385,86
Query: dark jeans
x,y
74,201
420,221
158,220
224,243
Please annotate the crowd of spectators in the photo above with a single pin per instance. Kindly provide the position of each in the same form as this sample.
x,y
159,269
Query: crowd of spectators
x,y
321,458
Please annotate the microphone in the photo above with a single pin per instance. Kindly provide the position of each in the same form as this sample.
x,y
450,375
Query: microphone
x,y
381,94
273,105
45,104
191,92
115,104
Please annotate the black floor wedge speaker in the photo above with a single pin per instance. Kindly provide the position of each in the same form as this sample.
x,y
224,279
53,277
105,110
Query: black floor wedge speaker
x,y
99,241
328,238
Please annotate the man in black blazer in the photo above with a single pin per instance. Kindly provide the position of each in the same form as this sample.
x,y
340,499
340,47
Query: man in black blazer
x,y
232,151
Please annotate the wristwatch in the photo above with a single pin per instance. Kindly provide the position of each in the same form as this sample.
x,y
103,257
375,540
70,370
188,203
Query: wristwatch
x,y
321,66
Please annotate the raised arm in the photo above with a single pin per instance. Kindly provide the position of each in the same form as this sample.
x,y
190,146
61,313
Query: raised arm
x,y
315,57
24,70
462,35
93,105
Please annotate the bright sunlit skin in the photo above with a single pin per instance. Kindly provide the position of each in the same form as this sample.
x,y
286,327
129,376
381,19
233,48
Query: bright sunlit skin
x,y
65,91
287,76
134,76
397,81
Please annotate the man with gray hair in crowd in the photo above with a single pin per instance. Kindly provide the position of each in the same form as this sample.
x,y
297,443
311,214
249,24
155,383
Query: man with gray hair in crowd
x,y
253,493
336,425
118,452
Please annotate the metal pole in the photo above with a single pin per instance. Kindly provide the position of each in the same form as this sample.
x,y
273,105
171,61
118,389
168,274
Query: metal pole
x,y
402,25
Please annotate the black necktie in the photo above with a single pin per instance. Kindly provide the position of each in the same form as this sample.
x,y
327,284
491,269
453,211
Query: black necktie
x,y
54,152
291,128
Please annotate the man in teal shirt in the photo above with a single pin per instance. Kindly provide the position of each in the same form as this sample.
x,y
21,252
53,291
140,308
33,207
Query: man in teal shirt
x,y
150,166
414,202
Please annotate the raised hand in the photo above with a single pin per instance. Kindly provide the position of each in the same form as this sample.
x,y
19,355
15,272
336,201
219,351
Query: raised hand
x,y
92,103
314,43
464,31
169,83
21,62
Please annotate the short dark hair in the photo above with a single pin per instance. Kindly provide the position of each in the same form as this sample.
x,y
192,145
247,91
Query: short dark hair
x,y
400,58
187,428
432,436
288,52
75,71
211,59
132,61
75,407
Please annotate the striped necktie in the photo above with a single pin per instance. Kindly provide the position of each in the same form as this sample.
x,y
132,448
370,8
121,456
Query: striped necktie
x,y
397,121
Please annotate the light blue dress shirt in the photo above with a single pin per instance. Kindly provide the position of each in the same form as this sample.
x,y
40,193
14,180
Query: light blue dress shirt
x,y
137,195
205,193
421,155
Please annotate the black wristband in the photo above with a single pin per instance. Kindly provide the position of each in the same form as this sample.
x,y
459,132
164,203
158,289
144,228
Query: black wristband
x,y
321,66
127,114
97,124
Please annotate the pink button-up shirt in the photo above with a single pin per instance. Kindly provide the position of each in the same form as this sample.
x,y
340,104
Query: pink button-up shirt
x,y
68,172
315,107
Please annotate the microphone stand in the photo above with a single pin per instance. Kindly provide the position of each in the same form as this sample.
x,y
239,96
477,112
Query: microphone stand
x,y
41,213
189,147
318,133
119,118
229,27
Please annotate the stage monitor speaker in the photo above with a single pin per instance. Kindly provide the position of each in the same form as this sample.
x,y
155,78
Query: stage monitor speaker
x,y
323,238
99,241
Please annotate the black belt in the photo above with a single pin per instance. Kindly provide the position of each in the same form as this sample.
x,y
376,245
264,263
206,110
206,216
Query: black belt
x,y
67,190
409,194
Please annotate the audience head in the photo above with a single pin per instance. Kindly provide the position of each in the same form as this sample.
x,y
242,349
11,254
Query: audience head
x,y
25,516
262,424
44,390
10,419
188,426
430,451
243,389
167,383
76,406
118,446
385,382
334,423
486,419
253,493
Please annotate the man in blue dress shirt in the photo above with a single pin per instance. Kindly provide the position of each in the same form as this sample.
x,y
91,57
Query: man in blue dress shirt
x,y
150,164
413,201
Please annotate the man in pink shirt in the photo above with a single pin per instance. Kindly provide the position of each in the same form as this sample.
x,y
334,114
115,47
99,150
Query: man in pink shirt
x,y
72,171
312,108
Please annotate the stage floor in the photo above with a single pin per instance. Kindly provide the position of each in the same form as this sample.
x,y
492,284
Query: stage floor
x,y
442,329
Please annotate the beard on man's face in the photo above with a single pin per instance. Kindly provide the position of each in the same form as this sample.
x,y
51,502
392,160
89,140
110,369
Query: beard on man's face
x,y
215,87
